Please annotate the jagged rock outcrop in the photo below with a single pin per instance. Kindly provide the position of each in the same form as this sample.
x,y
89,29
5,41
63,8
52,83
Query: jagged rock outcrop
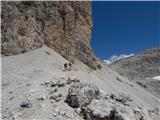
x,y
92,104
63,26
80,94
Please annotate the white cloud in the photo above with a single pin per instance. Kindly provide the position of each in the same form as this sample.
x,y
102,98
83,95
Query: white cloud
x,y
114,58
107,61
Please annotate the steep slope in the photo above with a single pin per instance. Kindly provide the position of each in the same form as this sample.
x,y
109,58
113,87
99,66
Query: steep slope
x,y
23,75
38,37
62,25
141,68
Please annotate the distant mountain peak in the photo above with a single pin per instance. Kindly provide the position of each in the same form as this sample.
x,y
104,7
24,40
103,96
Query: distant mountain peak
x,y
140,67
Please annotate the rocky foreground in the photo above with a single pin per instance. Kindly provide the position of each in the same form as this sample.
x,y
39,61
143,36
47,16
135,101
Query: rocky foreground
x,y
35,87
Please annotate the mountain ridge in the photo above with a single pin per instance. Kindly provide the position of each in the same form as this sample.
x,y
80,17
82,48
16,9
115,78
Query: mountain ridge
x,y
140,67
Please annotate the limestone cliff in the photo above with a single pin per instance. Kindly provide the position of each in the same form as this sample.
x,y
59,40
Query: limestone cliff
x,y
63,26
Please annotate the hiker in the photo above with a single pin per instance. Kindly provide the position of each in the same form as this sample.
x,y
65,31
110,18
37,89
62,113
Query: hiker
x,y
70,66
65,67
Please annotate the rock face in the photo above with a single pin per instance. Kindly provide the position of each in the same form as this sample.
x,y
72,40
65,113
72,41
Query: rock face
x,y
63,26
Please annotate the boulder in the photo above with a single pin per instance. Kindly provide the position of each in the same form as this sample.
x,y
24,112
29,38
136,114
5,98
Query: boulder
x,y
60,83
99,110
105,110
71,80
80,94
121,98
26,104
56,96
43,97
53,90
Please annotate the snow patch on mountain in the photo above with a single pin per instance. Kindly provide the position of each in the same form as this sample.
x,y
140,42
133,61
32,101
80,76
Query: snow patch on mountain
x,y
114,58
156,77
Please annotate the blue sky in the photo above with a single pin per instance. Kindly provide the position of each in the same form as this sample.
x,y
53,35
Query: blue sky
x,y
124,27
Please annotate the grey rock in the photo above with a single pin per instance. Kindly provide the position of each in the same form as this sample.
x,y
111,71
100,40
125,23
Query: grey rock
x,y
69,81
47,83
41,98
26,104
104,110
118,117
121,98
60,83
99,110
80,94
52,91
56,96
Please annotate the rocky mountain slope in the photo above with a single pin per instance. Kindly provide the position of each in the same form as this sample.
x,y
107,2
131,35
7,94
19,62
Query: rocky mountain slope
x,y
38,38
63,26
141,68
35,86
